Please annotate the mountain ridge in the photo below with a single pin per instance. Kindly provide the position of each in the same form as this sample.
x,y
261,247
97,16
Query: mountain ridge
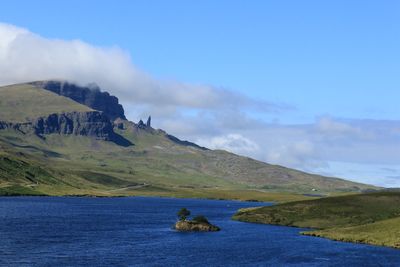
x,y
90,96
147,156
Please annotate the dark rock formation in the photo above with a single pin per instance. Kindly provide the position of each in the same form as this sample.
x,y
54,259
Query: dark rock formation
x,y
20,127
145,126
141,125
94,124
90,96
148,123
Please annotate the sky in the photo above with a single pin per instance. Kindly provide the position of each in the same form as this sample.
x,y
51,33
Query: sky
x,y
312,85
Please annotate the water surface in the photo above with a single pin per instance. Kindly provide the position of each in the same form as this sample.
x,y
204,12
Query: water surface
x,y
50,231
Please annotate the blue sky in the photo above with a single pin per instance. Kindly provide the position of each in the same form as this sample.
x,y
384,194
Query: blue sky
x,y
320,63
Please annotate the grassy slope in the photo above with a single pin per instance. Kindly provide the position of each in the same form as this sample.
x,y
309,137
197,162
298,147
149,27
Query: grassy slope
x,y
233,168
18,103
74,168
355,218
381,233
153,166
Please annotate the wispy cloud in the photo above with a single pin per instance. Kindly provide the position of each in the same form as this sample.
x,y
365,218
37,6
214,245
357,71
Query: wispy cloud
x,y
25,56
213,116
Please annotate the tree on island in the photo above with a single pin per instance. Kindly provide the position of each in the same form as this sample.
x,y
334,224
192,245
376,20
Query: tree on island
x,y
183,214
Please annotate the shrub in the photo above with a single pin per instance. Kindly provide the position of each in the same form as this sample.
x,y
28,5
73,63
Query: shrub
x,y
200,219
183,214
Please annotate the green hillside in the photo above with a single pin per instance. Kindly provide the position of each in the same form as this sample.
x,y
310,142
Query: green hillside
x,y
355,218
21,102
381,233
155,164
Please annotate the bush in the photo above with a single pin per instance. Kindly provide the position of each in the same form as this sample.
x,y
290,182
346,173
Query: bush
x,y
200,219
183,214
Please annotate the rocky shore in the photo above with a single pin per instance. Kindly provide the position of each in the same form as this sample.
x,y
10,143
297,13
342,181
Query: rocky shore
x,y
192,226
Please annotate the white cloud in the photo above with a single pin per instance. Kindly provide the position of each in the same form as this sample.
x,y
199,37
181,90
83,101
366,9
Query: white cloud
x,y
297,154
329,126
232,142
366,144
25,56
215,117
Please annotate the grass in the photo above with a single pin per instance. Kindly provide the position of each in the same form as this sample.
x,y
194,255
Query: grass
x,y
355,218
74,165
17,190
81,165
219,194
381,233
19,103
18,170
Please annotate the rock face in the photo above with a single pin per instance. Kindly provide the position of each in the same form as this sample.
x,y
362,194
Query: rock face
x,y
141,125
191,226
145,126
94,123
77,123
90,96
148,123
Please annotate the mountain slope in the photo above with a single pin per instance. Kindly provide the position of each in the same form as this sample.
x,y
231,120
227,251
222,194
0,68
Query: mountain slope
x,y
21,102
111,155
91,97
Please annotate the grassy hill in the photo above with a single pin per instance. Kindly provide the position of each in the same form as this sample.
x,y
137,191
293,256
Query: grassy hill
x,y
359,218
382,233
155,165
21,102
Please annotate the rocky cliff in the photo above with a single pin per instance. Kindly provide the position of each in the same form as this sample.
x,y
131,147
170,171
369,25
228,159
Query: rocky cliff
x,y
90,96
94,124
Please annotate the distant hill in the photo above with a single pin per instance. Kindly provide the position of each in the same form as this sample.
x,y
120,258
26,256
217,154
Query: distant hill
x,y
60,138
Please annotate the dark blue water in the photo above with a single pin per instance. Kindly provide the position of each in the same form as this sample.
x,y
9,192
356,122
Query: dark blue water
x,y
44,231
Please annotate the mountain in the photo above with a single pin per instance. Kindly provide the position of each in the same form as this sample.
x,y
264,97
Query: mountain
x,y
60,138
89,96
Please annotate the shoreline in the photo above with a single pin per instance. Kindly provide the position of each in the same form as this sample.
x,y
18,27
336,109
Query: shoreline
x,y
134,196
371,219
246,195
310,233
314,233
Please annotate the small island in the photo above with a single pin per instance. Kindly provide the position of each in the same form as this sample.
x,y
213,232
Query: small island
x,y
197,224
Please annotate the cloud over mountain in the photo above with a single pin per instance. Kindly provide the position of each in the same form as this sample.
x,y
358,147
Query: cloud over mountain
x,y
213,116
26,56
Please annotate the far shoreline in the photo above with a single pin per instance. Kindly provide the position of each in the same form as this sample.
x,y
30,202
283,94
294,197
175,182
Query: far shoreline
x,y
136,196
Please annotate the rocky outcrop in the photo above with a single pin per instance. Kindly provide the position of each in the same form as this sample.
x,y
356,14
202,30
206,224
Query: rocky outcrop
x,y
144,126
148,123
90,96
141,125
192,226
93,123
21,127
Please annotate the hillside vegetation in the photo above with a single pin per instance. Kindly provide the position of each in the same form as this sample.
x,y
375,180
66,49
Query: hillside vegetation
x,y
355,218
381,233
19,103
151,162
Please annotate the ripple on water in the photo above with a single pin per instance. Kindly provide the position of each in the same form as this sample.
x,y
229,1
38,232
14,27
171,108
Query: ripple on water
x,y
46,231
